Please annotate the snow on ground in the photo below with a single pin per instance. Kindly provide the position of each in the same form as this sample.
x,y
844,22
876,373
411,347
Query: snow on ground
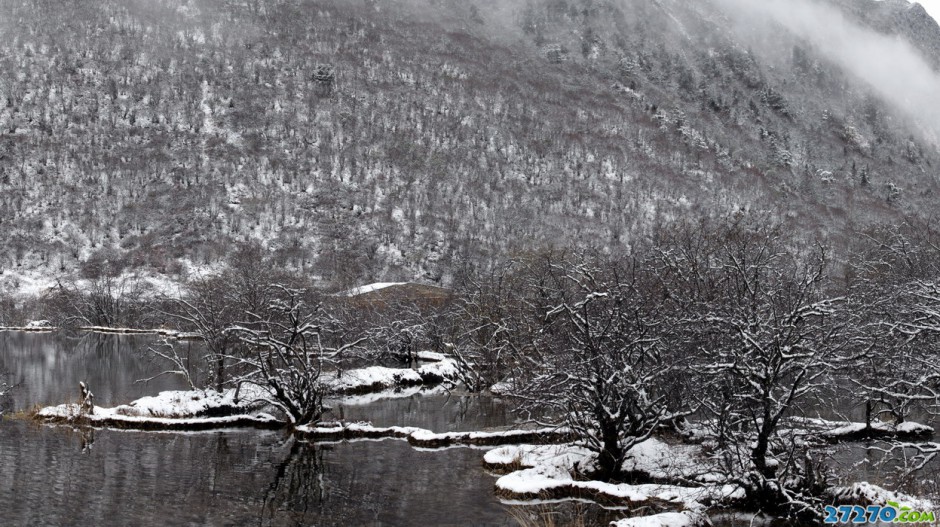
x,y
361,290
373,377
393,393
109,417
203,404
813,430
156,331
666,519
554,480
865,493
376,378
25,284
187,404
442,370
664,461
356,430
431,356
32,326
420,437
502,387
567,456
910,427
174,404
847,429
550,474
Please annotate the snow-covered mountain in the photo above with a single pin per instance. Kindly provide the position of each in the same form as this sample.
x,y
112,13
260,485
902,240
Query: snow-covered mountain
x,y
932,7
403,138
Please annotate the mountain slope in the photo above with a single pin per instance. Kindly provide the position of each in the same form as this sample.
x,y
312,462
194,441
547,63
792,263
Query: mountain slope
x,y
404,139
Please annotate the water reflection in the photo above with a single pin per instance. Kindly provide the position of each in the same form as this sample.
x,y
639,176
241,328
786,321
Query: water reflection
x,y
60,476
454,412
56,475
48,477
297,486
48,367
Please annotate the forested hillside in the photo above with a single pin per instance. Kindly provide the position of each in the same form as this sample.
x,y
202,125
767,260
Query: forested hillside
x,y
401,139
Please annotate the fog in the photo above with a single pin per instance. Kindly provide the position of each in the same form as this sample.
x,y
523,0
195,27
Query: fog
x,y
890,65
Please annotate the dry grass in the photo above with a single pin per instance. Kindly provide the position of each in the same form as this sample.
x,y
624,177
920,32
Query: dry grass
x,y
544,515
569,514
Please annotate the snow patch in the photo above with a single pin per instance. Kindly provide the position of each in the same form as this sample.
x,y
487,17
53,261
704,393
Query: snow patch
x,y
865,493
550,474
361,290
666,519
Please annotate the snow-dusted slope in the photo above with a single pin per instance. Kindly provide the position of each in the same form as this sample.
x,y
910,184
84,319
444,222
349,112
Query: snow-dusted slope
x,y
932,7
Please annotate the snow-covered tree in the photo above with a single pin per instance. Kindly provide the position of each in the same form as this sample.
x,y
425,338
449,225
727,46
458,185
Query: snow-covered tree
x,y
288,348
896,290
211,305
599,364
488,324
768,339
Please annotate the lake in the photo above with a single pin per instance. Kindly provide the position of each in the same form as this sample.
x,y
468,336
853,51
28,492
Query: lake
x,y
53,475
56,475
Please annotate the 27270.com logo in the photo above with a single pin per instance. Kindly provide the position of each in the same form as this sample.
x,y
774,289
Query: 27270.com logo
x,y
894,512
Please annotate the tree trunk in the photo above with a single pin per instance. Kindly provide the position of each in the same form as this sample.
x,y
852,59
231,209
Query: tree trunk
x,y
219,372
608,463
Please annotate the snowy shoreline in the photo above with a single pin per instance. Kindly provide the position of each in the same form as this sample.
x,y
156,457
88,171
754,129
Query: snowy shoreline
x,y
674,481
204,409
107,418
539,472
422,438
179,335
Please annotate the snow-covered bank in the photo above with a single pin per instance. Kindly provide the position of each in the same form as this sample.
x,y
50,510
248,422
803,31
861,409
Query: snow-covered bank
x,y
838,431
191,404
378,378
666,519
110,418
197,409
391,393
29,329
820,431
553,472
169,410
171,333
858,431
179,335
420,437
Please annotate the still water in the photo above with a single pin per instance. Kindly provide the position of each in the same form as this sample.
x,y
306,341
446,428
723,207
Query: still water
x,y
58,476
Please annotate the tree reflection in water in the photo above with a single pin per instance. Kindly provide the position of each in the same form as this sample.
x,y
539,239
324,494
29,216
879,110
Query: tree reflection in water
x,y
298,487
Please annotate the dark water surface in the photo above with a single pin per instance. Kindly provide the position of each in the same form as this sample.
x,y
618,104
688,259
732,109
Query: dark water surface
x,y
50,476
48,367
54,475
59,476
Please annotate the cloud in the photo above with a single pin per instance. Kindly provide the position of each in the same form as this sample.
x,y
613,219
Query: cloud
x,y
890,65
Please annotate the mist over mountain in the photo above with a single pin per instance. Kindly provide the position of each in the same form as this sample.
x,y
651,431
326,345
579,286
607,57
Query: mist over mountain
x,y
402,139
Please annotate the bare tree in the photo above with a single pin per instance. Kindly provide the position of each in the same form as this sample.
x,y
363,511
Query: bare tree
x,y
488,326
107,301
768,340
899,371
895,288
211,305
288,349
600,363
